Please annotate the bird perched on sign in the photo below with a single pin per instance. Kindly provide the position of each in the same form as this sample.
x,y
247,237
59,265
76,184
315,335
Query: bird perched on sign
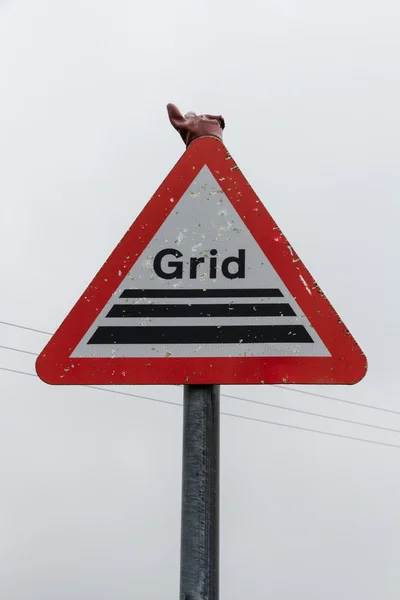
x,y
191,126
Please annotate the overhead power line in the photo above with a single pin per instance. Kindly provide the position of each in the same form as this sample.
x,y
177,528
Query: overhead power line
x,y
19,350
313,414
285,388
337,435
254,419
295,410
280,387
372,406
100,389
23,327
94,387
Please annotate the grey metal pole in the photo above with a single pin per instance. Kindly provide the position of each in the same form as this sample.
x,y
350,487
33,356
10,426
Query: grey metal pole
x,y
199,579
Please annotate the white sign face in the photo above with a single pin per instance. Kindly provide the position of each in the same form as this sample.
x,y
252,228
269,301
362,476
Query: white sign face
x,y
201,288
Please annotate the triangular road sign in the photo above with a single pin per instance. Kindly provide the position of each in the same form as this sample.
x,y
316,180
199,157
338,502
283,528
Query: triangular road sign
x,y
203,288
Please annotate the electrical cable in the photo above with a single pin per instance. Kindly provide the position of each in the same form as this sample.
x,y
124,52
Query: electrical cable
x,y
290,389
257,420
280,387
23,327
19,350
296,410
312,414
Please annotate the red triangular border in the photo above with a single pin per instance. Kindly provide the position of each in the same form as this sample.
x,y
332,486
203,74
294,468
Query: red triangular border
x,y
347,365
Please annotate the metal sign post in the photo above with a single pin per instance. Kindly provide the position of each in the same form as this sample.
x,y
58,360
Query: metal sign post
x,y
199,577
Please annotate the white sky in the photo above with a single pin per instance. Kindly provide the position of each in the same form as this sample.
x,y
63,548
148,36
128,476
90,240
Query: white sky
x,y
90,481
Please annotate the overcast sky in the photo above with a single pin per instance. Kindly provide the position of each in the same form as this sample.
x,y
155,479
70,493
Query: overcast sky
x,y
90,480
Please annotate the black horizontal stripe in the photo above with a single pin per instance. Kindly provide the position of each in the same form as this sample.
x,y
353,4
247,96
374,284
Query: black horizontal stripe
x,y
201,310
253,334
212,293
